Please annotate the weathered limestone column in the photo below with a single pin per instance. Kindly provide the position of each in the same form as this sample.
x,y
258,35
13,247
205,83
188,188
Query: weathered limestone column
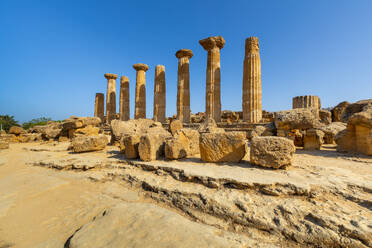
x,y
213,90
159,94
111,97
99,106
124,99
252,94
140,100
306,102
183,85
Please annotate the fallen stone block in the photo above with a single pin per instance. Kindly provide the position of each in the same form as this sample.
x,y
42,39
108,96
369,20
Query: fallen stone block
x,y
222,147
272,152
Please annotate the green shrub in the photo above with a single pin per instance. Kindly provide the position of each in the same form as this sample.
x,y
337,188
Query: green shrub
x,y
36,122
7,121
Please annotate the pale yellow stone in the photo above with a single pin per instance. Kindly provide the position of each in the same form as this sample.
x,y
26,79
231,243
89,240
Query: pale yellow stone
x,y
140,100
183,85
306,102
99,106
159,94
111,97
213,78
124,99
252,93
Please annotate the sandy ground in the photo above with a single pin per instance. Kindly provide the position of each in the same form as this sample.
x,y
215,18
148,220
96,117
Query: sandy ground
x,y
99,198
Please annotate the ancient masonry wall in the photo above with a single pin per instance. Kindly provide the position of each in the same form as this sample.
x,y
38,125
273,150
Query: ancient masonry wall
x,y
306,102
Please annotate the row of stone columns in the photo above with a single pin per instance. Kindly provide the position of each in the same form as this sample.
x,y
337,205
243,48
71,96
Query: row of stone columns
x,y
251,104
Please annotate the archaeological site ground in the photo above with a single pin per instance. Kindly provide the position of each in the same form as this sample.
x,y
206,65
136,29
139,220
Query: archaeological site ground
x,y
127,175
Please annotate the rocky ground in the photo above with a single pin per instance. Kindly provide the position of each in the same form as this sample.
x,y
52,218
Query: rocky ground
x,y
51,197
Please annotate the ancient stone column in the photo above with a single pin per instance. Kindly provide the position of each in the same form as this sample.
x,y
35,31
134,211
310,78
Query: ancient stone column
x,y
110,97
99,106
306,102
124,99
252,95
159,94
140,100
183,85
213,81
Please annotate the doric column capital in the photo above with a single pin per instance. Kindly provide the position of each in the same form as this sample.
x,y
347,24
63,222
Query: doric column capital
x,y
111,76
140,67
124,79
251,44
212,42
184,53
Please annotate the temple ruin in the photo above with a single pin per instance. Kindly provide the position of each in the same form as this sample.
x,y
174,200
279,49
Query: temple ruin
x,y
140,100
124,99
183,85
252,94
306,102
99,106
213,45
251,100
159,94
111,97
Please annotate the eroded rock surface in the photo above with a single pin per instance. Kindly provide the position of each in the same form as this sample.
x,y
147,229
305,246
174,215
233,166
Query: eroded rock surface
x,y
357,137
322,200
272,152
222,147
89,143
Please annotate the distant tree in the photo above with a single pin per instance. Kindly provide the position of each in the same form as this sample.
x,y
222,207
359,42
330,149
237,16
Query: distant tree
x,y
7,121
36,122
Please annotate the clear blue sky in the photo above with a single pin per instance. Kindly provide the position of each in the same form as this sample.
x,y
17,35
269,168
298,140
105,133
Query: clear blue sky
x,y
53,54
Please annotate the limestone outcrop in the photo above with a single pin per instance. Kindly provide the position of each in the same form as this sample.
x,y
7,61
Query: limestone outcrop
x,y
89,143
313,139
252,93
357,137
272,152
222,147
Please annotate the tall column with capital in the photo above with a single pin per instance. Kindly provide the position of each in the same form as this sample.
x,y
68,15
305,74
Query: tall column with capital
x,y
99,106
213,91
183,85
252,94
140,100
124,99
111,97
159,94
